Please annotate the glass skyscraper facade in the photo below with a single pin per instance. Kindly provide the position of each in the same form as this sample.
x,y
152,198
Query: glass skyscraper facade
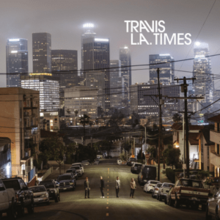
x,y
204,84
48,87
125,58
116,85
16,61
41,46
96,56
166,66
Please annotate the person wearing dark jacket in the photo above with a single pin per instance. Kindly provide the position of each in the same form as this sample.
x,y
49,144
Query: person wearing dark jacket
x,y
86,187
102,185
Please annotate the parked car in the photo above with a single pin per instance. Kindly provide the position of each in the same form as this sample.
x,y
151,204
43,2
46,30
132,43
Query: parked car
x,y
188,192
66,181
148,172
79,164
164,190
131,161
149,186
21,189
99,156
96,162
52,189
73,171
136,168
7,201
156,189
213,207
41,194
85,163
108,157
78,169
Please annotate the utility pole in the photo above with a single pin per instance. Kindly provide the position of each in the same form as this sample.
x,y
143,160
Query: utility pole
x,y
185,89
160,121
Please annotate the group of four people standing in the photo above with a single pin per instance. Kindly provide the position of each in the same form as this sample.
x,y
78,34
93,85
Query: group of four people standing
x,y
102,185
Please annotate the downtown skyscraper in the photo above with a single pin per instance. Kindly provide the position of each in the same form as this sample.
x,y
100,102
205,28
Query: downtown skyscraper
x,y
166,67
16,61
41,46
125,58
204,84
96,58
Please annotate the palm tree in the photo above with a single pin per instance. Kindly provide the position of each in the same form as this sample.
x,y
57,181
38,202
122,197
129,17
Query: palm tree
x,y
84,120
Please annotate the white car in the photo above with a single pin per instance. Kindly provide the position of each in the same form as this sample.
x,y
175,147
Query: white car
x,y
85,162
41,194
99,156
149,186
164,190
79,164
7,201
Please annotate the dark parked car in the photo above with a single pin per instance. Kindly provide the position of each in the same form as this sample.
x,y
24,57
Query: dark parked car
x,y
131,161
66,181
41,195
148,172
108,157
25,198
136,168
54,193
73,171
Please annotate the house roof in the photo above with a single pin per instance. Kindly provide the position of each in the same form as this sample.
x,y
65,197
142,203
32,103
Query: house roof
x,y
193,138
178,126
215,118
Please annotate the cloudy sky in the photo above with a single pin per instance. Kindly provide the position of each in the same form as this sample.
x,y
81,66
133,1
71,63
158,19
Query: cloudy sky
x,y
64,20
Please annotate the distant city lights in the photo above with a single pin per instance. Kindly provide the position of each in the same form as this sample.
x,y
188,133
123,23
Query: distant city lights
x,y
102,39
14,40
88,25
163,55
14,51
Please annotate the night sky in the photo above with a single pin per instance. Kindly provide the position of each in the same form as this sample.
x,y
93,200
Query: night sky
x,y
63,19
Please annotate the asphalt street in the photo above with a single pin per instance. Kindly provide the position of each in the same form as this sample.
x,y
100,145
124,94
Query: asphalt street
x,y
73,204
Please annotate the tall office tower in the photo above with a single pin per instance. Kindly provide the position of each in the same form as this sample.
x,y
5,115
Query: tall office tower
x,y
16,61
65,68
125,57
116,85
64,60
96,55
41,46
88,32
204,84
145,105
166,66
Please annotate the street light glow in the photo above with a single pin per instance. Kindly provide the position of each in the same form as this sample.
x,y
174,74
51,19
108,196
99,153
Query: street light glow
x,y
197,43
88,25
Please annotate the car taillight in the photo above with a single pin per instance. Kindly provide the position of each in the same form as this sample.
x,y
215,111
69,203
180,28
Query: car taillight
x,y
156,188
142,177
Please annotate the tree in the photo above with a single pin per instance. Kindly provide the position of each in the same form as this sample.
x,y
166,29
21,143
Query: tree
x,y
172,156
177,118
84,120
53,148
153,152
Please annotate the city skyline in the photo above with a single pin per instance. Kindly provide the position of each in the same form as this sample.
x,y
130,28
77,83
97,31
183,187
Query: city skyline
x,y
66,32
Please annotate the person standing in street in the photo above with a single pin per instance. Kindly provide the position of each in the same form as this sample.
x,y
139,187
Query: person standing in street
x,y
102,185
86,187
117,186
133,187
